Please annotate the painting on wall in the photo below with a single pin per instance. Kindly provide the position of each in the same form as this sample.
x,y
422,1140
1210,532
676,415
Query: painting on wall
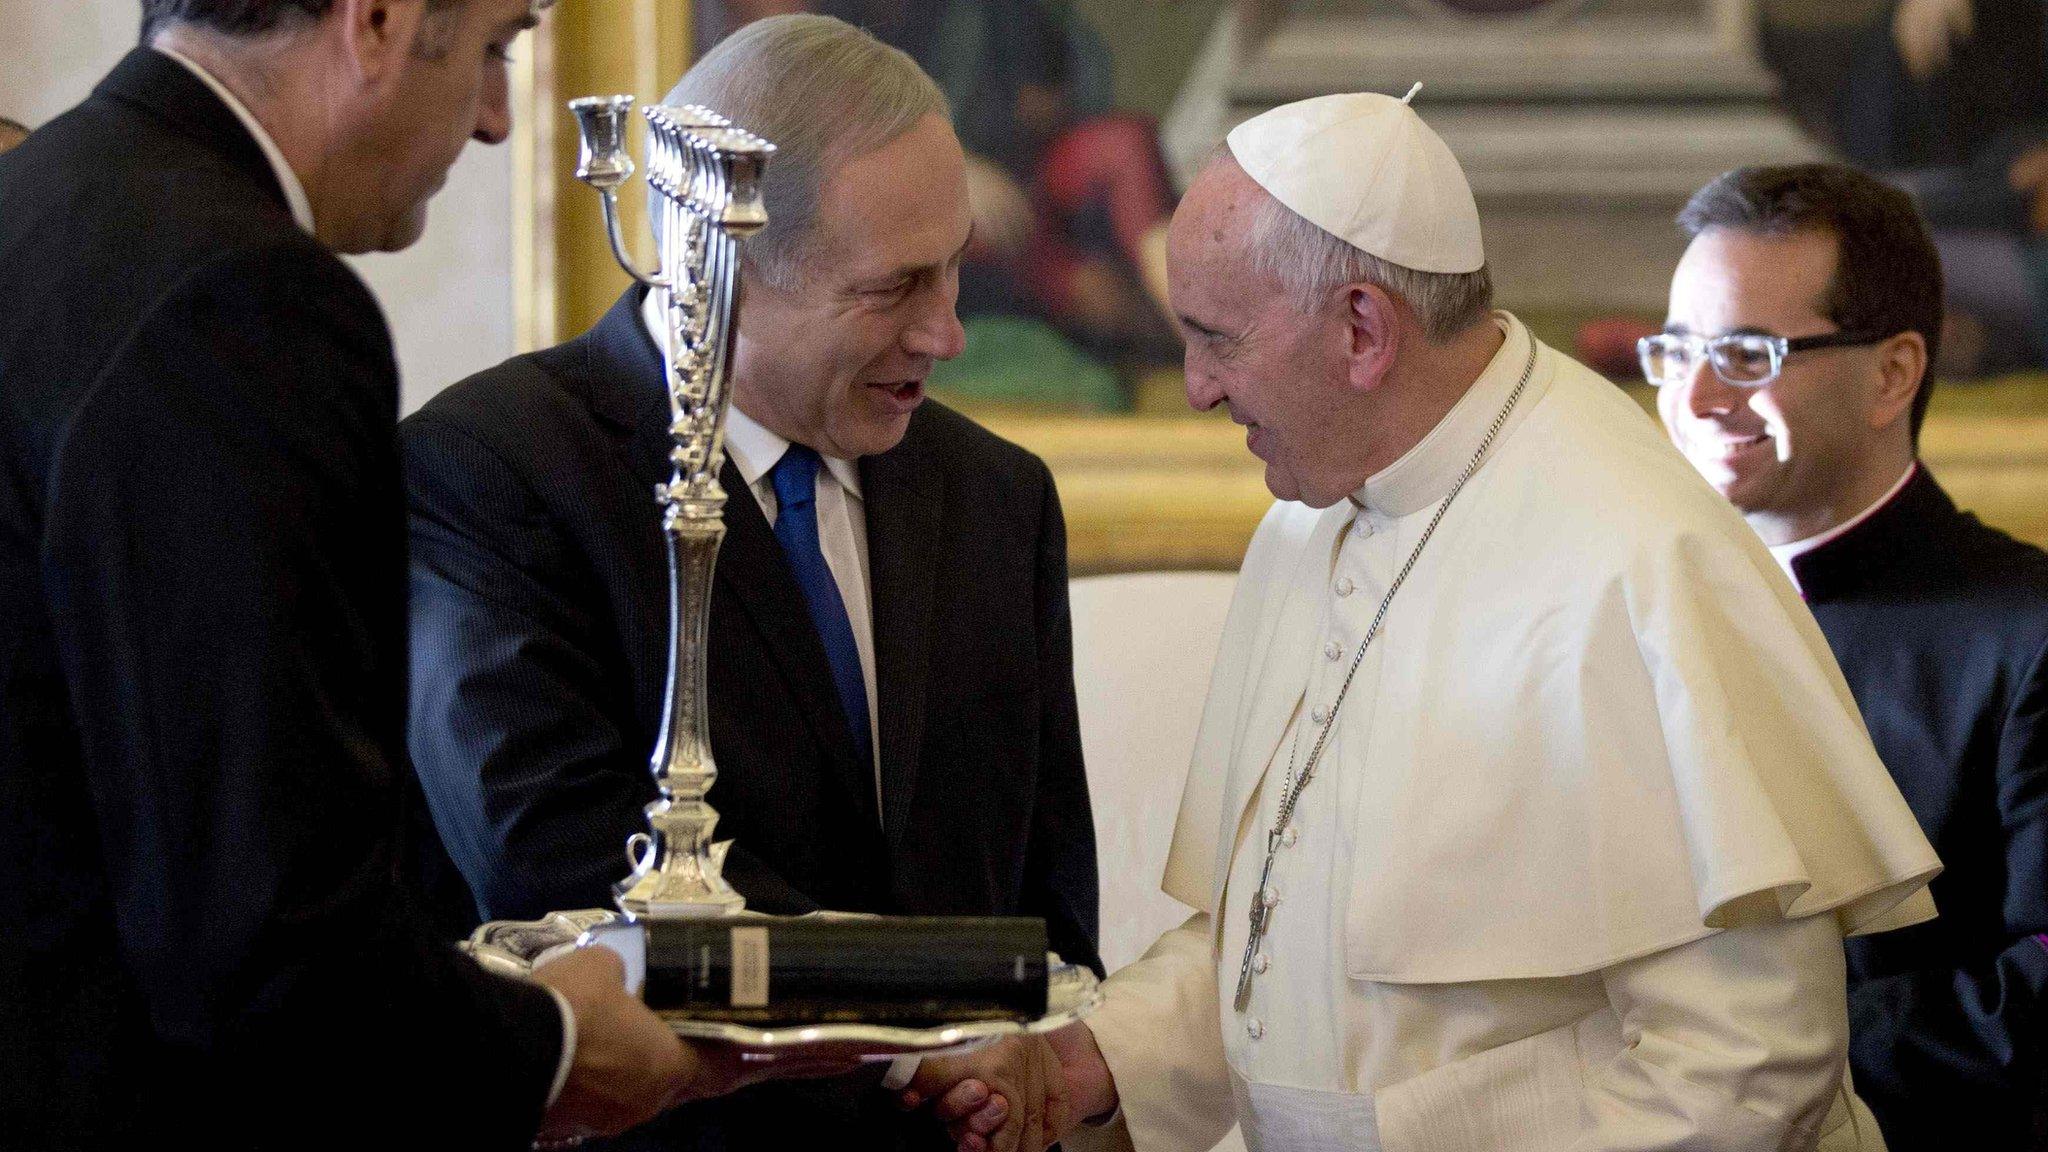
x,y
1084,119
1059,105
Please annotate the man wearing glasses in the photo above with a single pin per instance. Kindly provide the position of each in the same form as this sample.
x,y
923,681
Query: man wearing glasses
x,y
1794,372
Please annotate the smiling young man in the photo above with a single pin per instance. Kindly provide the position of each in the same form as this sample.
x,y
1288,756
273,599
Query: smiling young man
x,y
202,656
1829,365
1794,374
892,700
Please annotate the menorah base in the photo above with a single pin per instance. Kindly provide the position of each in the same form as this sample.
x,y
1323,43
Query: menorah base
x,y
660,903
684,886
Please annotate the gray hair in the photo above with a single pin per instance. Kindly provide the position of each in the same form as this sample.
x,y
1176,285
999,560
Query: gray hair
x,y
1311,262
823,92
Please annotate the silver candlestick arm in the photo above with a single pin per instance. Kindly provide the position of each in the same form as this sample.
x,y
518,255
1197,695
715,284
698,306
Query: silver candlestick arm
x,y
706,175
605,164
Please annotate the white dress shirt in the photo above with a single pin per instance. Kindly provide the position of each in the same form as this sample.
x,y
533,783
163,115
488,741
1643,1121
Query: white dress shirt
x,y
302,214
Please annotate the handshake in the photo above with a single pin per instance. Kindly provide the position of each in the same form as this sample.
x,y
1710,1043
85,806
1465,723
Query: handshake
x,y
1020,1093
1016,1095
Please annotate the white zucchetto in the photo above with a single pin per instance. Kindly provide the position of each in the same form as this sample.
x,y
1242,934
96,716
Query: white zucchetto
x,y
1366,169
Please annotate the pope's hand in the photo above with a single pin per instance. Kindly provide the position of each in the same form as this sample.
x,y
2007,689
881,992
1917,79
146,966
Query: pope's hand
x,y
629,1067
1091,1090
1009,1096
979,1116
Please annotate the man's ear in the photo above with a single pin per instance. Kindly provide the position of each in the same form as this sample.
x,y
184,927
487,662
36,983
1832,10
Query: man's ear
x,y
1902,364
1374,334
378,35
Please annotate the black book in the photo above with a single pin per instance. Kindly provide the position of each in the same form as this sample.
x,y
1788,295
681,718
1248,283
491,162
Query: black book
x,y
905,971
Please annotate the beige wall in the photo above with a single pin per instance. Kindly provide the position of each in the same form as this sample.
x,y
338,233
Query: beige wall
x,y
449,298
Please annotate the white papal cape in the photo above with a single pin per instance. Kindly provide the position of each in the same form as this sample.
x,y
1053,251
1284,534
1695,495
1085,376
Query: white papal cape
x,y
1601,749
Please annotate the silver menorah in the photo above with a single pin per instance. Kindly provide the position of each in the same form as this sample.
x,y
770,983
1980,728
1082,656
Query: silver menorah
x,y
706,176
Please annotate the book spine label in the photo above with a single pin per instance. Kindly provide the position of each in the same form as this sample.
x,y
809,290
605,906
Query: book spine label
x,y
750,967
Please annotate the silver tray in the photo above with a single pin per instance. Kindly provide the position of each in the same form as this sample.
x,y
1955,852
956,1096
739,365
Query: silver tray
x,y
516,947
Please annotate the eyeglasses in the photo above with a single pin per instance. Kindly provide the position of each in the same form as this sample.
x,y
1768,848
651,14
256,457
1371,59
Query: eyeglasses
x,y
1740,359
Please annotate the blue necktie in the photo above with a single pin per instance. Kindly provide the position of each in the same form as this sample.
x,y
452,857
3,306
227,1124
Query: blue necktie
x,y
796,526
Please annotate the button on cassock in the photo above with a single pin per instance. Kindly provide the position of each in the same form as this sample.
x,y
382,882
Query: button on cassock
x,y
1345,587
1319,715
1333,651
1254,1028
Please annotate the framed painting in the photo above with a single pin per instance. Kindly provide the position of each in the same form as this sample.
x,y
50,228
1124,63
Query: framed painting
x,y
1083,118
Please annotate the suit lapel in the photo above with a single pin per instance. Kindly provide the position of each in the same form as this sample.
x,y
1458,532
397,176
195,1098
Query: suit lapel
x,y
904,499
752,568
621,370
618,371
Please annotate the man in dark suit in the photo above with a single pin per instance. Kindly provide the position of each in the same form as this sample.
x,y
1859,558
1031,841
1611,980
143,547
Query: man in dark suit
x,y
892,701
1795,376
202,927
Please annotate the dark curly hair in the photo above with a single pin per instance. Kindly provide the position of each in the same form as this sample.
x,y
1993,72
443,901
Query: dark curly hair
x,y
1887,275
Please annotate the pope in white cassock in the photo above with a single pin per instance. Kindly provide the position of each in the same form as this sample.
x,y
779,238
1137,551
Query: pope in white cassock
x,y
1529,808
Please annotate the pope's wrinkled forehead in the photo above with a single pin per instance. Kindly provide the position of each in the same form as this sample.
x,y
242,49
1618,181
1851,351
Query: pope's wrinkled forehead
x,y
1215,279
1217,209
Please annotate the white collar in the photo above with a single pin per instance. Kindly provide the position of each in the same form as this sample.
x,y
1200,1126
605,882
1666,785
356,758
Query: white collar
x,y
294,190
1426,472
753,448
1784,554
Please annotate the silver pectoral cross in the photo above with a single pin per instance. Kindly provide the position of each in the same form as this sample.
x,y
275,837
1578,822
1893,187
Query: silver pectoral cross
x,y
1262,910
1264,899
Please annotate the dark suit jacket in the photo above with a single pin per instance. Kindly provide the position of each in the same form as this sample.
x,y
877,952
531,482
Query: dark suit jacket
x,y
540,641
1941,627
202,671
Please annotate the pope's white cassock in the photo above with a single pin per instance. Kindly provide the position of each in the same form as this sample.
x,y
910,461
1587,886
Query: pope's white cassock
x,y
1592,823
